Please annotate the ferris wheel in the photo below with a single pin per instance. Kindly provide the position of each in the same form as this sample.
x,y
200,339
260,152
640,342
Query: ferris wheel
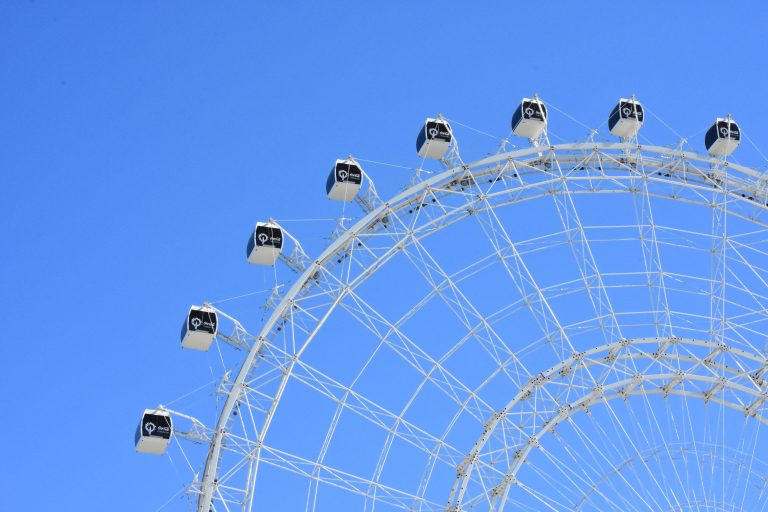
x,y
570,326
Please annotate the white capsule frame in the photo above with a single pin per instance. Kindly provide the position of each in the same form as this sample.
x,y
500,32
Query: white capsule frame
x,y
264,244
723,137
199,328
529,119
434,139
626,118
344,180
154,432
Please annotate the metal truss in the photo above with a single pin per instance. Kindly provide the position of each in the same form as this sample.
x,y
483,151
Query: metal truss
x,y
690,368
567,371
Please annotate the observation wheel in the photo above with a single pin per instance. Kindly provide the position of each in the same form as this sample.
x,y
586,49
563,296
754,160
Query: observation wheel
x,y
576,326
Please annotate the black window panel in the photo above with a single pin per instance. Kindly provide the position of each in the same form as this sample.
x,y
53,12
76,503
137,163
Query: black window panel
x,y
534,110
269,236
723,129
630,110
200,320
251,244
517,116
438,131
712,135
421,138
348,173
155,425
329,183
183,329
735,133
640,113
615,116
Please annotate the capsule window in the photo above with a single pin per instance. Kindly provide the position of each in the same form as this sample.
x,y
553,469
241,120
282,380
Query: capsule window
x,y
631,110
202,320
436,130
728,130
269,236
156,425
348,172
534,110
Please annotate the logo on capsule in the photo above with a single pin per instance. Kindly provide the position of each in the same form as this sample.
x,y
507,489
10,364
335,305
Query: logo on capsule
x,y
196,323
724,131
343,174
150,427
529,112
263,237
433,132
626,111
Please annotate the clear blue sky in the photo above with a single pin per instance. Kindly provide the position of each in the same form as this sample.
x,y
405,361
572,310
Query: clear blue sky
x,y
140,141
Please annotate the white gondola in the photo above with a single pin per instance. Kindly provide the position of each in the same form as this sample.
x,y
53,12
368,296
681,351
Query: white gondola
x,y
264,244
200,328
344,181
723,137
434,139
626,118
530,118
154,432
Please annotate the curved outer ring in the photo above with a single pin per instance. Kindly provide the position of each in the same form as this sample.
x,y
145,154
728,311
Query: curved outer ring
x,y
604,394
212,461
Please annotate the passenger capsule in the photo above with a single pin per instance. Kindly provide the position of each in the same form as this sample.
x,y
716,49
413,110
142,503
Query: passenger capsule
x,y
264,244
626,118
530,118
344,181
434,139
154,432
200,328
723,137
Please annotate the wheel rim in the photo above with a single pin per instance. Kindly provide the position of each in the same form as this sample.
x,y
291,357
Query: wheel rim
x,y
556,174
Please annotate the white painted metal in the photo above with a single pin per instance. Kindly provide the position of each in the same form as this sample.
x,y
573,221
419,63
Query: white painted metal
x,y
632,384
712,372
